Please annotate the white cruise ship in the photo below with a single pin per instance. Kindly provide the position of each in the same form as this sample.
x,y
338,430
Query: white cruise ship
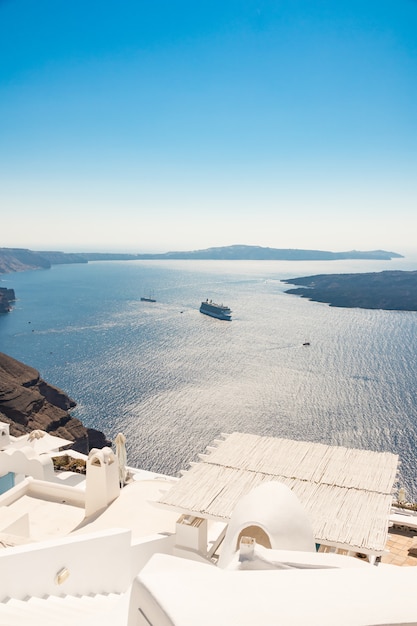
x,y
219,311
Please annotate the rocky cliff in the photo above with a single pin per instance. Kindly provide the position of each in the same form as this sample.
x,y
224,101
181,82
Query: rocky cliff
x,y
27,403
7,296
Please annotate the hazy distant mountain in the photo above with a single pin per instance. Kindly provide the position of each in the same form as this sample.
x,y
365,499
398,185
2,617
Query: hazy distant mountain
x,y
241,252
63,258
255,253
19,259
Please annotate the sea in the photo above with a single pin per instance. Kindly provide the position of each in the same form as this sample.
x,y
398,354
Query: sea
x,y
173,380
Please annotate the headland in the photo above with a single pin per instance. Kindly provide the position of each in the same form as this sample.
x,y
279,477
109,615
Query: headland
x,y
388,290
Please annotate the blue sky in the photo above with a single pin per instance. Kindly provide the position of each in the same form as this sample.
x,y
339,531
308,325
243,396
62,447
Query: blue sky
x,y
173,125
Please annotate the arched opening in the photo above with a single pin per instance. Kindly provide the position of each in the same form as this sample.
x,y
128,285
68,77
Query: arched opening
x,y
257,533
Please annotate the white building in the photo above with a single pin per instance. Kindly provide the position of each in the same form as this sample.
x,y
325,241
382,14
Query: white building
x,y
232,542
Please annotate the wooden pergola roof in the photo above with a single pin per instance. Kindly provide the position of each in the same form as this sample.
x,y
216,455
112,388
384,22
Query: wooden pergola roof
x,y
346,492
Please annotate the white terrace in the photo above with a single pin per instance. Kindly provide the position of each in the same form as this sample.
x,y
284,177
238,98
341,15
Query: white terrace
x,y
346,492
85,549
39,503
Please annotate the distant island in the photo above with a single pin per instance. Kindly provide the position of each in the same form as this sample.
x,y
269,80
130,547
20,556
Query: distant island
x,y
20,259
253,253
388,290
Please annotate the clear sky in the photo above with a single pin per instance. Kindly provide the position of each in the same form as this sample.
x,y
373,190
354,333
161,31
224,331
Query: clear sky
x,y
156,125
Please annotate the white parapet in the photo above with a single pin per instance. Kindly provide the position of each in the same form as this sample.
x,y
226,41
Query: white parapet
x,y
78,565
26,462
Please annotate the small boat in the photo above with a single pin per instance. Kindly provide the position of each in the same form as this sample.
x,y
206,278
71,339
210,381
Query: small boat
x,y
218,311
306,343
149,298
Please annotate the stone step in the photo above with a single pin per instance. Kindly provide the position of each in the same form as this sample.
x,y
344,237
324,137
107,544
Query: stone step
x,y
66,610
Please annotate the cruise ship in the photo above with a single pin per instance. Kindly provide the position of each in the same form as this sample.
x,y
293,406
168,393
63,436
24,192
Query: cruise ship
x,y
260,530
219,311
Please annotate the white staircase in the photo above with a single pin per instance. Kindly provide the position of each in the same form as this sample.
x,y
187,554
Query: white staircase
x,y
94,610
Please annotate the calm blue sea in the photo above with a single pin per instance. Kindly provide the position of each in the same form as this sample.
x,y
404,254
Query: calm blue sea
x,y
172,379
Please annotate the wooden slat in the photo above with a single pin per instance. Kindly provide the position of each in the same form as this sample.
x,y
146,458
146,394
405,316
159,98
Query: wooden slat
x,y
346,492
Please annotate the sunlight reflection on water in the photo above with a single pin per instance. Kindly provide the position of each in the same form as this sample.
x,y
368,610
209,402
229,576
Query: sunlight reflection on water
x,y
172,379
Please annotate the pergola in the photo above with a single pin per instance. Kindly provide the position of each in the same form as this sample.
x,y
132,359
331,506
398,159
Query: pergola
x,y
346,492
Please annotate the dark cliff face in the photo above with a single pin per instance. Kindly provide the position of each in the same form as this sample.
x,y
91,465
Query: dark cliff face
x,y
7,296
27,403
